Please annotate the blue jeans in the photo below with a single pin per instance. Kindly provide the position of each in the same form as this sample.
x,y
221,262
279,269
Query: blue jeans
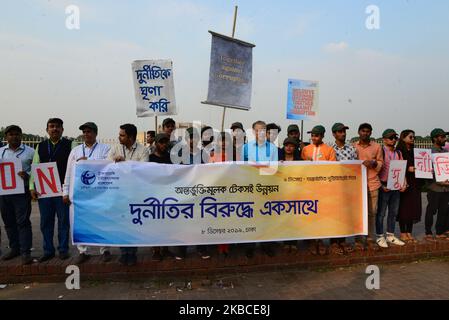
x,y
387,200
16,211
50,208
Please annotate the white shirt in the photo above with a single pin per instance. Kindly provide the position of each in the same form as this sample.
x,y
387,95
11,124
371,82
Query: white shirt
x,y
99,151
137,152
23,152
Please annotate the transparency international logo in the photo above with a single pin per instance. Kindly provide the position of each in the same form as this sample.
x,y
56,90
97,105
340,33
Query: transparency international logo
x,y
88,178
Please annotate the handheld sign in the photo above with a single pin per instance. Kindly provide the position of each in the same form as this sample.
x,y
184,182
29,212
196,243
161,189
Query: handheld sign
x,y
154,88
396,174
423,164
46,180
10,181
302,99
441,166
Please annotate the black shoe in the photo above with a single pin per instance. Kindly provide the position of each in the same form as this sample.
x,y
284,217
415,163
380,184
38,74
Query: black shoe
x,y
26,259
106,256
11,255
132,260
157,256
123,259
64,256
83,257
249,253
46,257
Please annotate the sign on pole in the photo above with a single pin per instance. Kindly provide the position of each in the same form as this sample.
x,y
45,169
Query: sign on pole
x,y
154,88
230,75
302,99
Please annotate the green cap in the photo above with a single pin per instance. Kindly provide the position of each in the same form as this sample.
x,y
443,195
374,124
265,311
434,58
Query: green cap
x,y
291,141
161,136
389,133
89,125
292,127
318,130
438,132
338,127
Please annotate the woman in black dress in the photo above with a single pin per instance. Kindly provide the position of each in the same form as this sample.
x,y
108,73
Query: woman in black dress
x,y
410,206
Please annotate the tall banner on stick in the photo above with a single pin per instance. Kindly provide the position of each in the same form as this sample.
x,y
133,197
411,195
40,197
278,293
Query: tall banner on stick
x,y
147,204
230,75
153,87
302,99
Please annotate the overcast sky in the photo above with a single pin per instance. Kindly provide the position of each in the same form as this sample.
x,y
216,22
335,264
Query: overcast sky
x,y
397,76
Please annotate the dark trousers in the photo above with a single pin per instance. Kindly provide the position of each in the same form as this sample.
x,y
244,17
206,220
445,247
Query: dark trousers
x,y
438,204
50,208
16,211
406,227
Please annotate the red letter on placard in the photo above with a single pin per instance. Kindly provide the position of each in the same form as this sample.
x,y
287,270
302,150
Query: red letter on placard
x,y
12,172
51,184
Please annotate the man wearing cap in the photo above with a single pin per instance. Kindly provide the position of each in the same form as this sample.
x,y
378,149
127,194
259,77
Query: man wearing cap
x,y
293,132
388,199
438,194
89,150
318,151
238,140
344,152
370,153
55,149
16,208
128,150
151,134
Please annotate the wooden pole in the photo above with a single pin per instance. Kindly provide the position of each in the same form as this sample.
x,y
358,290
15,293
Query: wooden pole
x,y
233,33
302,130
155,124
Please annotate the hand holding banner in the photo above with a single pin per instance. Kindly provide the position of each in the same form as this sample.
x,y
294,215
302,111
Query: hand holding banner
x,y
10,181
46,180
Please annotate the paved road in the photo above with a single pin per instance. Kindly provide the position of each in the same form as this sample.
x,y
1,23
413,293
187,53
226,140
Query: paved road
x,y
417,280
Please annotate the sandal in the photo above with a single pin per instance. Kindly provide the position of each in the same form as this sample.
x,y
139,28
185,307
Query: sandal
x,y
429,237
313,248
441,237
348,248
321,248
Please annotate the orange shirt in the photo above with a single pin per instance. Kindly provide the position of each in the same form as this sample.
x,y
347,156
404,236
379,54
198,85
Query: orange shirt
x,y
373,151
323,152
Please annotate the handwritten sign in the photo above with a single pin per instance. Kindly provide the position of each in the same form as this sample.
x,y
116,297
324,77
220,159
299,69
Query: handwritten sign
x,y
10,181
441,166
230,74
46,179
302,99
153,87
423,164
396,174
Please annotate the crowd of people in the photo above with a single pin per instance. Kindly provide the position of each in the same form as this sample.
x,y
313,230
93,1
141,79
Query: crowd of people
x,y
204,146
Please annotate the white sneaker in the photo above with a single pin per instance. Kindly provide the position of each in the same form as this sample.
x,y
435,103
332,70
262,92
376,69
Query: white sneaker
x,y
382,242
393,240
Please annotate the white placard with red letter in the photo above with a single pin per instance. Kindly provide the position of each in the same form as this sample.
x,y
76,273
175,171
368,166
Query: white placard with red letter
x,y
441,166
46,180
423,164
10,181
396,174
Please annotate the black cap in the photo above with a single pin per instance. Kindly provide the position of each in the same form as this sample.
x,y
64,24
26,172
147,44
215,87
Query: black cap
x,y
12,127
237,125
168,121
291,141
339,126
89,125
292,127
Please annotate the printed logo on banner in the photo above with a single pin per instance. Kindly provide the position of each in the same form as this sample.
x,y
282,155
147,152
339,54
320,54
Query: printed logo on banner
x,y
88,177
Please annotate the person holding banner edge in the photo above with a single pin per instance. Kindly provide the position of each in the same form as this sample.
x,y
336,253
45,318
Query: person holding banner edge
x,y
89,150
54,149
16,208
128,149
